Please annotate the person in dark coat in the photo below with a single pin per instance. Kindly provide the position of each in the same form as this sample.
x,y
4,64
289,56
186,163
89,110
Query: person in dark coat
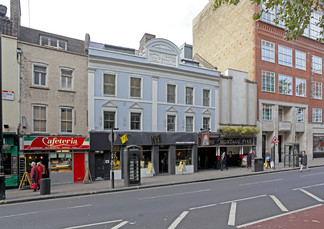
x,y
223,161
34,176
303,162
249,160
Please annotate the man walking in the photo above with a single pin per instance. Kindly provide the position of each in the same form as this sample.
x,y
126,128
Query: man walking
x,y
303,162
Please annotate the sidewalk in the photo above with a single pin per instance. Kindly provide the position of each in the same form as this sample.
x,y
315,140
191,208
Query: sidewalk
x,y
104,186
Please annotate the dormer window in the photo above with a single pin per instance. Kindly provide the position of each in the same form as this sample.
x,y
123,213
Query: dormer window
x,y
53,43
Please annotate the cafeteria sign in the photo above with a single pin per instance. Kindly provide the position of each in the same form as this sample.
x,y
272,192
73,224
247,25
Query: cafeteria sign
x,y
32,143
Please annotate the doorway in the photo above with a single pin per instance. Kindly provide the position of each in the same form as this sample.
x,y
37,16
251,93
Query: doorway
x,y
99,166
78,167
163,159
206,158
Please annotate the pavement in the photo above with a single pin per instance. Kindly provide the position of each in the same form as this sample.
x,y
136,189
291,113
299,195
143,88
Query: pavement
x,y
104,186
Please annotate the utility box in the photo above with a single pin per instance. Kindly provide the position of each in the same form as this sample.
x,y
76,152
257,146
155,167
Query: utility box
x,y
45,186
258,164
132,165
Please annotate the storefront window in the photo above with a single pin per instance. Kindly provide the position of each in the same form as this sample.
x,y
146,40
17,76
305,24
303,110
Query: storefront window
x,y
318,146
184,153
146,156
61,162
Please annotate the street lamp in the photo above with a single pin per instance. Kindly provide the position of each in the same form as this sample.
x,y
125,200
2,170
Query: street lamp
x,y
112,157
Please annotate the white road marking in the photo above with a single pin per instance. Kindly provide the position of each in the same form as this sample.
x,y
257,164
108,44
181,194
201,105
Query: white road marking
x,y
310,186
260,182
277,216
279,204
205,206
120,225
232,214
178,220
93,224
248,198
311,195
176,194
50,210
312,174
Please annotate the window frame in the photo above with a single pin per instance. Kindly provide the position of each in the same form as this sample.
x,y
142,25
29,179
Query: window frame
x,y
317,94
300,60
208,104
209,122
71,121
268,51
49,42
68,77
103,118
104,84
33,74
175,122
267,111
300,92
33,118
317,64
193,123
284,56
140,88
317,112
283,85
300,112
175,93
140,121
188,96
268,88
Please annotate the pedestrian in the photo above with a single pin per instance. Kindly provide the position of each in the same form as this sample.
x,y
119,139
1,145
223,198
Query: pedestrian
x,y
252,159
303,160
223,162
268,159
34,176
40,174
249,160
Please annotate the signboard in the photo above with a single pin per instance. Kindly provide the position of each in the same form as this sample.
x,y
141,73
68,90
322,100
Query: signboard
x,y
274,140
39,143
8,95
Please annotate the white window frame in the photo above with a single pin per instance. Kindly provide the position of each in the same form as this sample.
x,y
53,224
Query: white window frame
x,y
267,51
175,92
266,108
33,118
175,121
193,95
317,90
300,114
130,87
300,91
300,60
284,56
72,121
67,77
209,122
317,64
285,88
33,74
130,119
58,43
103,117
209,97
115,83
193,123
314,29
271,87
317,115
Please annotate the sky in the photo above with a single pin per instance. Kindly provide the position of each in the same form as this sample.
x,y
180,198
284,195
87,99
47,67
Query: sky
x,y
119,22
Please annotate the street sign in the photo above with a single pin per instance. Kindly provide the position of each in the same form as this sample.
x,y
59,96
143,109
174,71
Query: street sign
x,y
274,140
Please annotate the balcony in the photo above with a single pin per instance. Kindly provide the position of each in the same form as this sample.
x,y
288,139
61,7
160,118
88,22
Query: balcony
x,y
284,126
300,127
267,125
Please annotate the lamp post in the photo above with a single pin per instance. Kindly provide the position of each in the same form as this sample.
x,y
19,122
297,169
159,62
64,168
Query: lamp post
x,y
112,157
2,176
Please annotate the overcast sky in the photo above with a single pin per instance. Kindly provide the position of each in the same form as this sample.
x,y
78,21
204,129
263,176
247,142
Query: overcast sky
x,y
115,22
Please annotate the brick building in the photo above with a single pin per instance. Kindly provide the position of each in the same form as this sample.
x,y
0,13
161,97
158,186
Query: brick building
x,y
289,74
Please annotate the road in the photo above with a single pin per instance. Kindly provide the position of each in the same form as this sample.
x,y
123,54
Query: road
x,y
230,203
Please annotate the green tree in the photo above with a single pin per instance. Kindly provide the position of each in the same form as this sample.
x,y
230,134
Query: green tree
x,y
295,15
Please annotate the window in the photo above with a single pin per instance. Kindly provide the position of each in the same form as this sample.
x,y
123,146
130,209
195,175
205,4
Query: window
x,y
189,95
268,16
40,75
281,114
315,29
206,97
39,118
66,120
317,90
317,115
206,123
317,64
53,42
171,93
268,81
267,112
299,114
184,154
109,84
66,78
171,123
189,123
300,87
109,120
135,121
300,60
285,56
135,87
268,51
285,85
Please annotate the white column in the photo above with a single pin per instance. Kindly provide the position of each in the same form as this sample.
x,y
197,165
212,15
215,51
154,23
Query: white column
x,y
154,104
91,99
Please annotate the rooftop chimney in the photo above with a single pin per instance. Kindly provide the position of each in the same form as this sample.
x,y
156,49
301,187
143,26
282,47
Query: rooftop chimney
x,y
144,40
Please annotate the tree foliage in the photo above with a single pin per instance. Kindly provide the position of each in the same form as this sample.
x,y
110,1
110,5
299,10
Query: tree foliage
x,y
295,15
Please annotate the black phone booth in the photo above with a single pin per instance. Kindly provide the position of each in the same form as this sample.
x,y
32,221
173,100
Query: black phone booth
x,y
132,165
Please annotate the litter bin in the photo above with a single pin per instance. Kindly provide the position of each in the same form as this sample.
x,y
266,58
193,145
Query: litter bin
x,y
45,186
2,188
258,164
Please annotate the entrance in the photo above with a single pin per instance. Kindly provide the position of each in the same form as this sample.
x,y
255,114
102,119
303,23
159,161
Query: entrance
x,y
99,166
163,159
43,158
207,158
78,167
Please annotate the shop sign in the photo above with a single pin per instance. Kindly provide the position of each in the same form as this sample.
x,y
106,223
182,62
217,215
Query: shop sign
x,y
39,143
8,95
229,141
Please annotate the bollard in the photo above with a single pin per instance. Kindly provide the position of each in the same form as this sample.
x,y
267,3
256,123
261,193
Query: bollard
x,y
45,186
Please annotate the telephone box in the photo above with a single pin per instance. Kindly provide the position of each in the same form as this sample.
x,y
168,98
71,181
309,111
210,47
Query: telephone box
x,y
132,166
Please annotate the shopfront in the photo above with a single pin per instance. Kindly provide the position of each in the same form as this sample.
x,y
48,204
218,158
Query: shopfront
x,y
318,145
10,159
212,145
161,153
65,158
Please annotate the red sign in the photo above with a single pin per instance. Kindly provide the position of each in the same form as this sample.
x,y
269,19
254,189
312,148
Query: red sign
x,y
33,143
274,140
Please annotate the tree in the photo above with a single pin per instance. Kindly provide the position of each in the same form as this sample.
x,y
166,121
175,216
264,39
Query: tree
x,y
295,15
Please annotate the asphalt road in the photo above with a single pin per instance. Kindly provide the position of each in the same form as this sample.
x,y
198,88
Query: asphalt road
x,y
230,203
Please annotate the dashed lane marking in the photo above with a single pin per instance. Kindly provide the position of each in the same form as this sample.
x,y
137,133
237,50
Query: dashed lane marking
x,y
176,194
311,195
260,182
248,198
200,207
120,225
232,214
178,220
94,224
